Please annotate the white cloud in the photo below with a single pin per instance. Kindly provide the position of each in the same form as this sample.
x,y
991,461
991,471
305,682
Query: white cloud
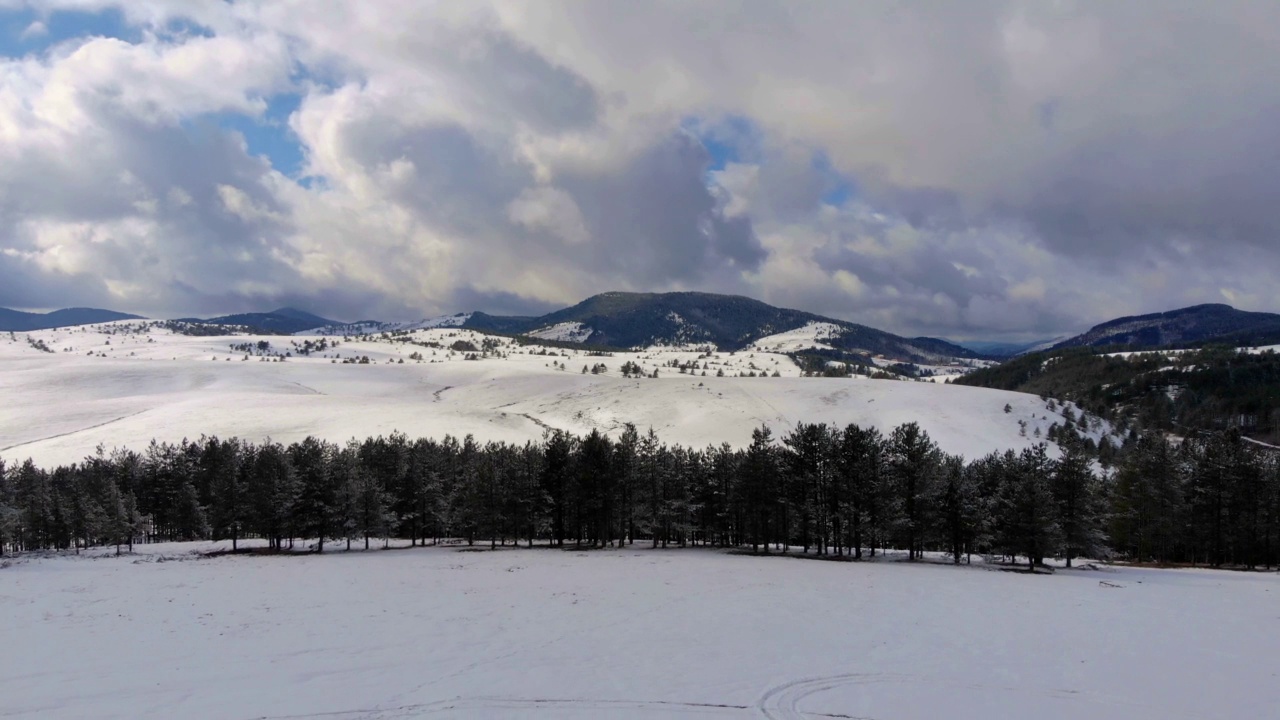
x,y
1012,167
36,29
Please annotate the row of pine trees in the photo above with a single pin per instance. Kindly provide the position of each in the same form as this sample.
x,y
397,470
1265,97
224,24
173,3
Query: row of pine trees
x,y
821,489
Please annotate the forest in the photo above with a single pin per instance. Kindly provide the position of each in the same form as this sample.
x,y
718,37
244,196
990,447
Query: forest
x,y
839,493
1181,392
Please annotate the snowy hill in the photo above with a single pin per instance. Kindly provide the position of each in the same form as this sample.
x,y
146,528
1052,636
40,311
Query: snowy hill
x,y
728,322
126,383
16,320
284,320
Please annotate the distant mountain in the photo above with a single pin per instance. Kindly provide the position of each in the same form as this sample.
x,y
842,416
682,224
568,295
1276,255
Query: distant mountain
x,y
18,321
729,322
373,327
285,320
998,349
1196,325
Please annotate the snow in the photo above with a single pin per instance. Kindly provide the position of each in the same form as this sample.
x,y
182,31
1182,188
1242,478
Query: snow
x,y
633,633
57,407
365,328
1175,353
812,335
563,332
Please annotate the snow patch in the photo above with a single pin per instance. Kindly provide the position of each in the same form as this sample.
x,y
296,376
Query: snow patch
x,y
810,336
574,332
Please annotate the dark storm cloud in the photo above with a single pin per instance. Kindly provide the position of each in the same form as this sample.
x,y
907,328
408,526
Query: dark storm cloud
x,y
655,221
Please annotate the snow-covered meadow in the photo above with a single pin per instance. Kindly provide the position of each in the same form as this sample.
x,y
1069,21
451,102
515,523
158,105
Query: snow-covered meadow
x,y
631,633
109,385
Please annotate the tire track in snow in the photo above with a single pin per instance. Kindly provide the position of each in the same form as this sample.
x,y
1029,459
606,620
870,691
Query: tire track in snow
x,y
661,708
780,702
72,432
788,693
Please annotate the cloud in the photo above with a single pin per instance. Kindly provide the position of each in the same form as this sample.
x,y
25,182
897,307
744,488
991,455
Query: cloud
x,y
996,169
35,30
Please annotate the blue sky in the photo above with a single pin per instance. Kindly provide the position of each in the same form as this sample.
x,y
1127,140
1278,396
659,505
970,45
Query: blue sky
x,y
268,135
737,139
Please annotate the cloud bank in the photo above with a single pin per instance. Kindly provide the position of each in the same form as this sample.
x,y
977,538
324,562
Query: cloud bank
x,y
990,169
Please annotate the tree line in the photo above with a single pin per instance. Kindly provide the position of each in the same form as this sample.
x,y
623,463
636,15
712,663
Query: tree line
x,y
839,492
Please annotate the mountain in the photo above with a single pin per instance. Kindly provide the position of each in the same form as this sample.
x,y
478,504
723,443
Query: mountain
x,y
730,322
999,349
18,321
284,320
1196,325
374,327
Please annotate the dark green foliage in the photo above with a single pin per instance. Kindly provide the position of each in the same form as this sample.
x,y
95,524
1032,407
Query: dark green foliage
x,y
839,492
1211,389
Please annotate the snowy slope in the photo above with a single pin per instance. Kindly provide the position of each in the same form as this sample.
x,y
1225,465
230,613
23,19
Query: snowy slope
x,y
635,633
812,335
563,332
126,388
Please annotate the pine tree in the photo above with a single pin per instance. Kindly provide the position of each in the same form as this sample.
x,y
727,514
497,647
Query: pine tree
x,y
859,465
1148,500
914,462
1029,513
760,484
1078,494
962,511
596,484
555,479
10,515
223,464
273,492
625,453
315,513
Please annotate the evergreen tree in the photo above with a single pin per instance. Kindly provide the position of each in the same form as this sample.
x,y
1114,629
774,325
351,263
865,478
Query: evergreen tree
x,y
316,511
1029,514
860,465
1079,496
914,462
1147,501
760,484
273,493
555,479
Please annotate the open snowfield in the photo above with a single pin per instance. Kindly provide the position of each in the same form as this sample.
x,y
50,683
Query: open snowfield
x,y
102,385
633,633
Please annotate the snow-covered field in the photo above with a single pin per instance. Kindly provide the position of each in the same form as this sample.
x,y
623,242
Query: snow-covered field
x,y
633,633
103,385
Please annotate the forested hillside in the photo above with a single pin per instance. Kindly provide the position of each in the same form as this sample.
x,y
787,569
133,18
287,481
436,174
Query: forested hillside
x,y
730,322
839,492
1183,392
1186,327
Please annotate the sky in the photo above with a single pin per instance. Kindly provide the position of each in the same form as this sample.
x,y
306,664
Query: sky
x,y
979,170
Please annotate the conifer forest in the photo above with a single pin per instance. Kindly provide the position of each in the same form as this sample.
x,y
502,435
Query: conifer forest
x,y
846,493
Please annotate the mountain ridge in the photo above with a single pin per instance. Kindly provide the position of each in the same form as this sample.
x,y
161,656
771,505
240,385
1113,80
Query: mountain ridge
x,y
730,322
1192,325
19,321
